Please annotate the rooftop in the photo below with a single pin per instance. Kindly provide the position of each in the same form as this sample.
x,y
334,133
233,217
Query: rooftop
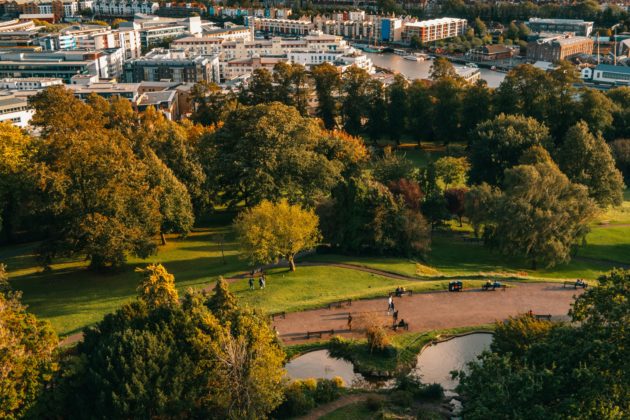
x,y
611,68
431,22
559,21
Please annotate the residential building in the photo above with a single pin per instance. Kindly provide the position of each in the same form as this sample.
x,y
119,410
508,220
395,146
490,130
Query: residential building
x,y
386,29
163,101
434,29
106,90
124,8
173,65
280,26
174,9
491,53
16,25
15,110
576,26
607,74
558,48
29,83
61,65
245,66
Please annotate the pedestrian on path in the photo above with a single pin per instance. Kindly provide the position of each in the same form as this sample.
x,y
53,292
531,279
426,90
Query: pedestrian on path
x,y
261,282
251,282
349,321
395,317
390,304
264,281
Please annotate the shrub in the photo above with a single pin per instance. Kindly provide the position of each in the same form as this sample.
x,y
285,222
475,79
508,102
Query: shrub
x,y
377,338
430,392
401,398
374,403
328,390
301,396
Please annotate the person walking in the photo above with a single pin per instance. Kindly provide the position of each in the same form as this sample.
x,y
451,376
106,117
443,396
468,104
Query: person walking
x,y
349,321
261,282
251,282
264,281
390,304
395,316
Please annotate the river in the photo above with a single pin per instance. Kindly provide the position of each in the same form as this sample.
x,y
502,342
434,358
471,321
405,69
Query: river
x,y
421,69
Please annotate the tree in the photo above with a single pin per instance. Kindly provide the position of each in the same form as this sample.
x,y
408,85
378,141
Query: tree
x,y
541,214
596,110
355,83
420,111
270,152
222,303
327,87
479,206
526,90
210,103
365,216
621,113
586,159
393,166
442,68
157,287
94,197
409,191
172,361
537,369
397,107
446,107
271,231
456,202
451,171
498,144
377,111
260,89
476,106
27,348
621,151
480,27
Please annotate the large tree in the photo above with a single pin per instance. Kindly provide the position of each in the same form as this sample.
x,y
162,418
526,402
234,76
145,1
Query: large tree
x,y
498,144
173,361
270,231
270,152
397,108
327,87
27,358
355,103
586,159
537,369
541,214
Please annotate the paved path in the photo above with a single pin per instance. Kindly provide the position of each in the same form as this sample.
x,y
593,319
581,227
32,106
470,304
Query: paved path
x,y
432,311
322,410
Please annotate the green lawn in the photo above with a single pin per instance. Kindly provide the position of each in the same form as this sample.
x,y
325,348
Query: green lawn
x,y
430,152
356,411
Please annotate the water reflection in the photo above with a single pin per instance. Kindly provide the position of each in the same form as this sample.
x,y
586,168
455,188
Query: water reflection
x,y
421,69
436,362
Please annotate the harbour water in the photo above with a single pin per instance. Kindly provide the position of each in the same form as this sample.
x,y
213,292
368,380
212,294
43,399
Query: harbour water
x,y
421,69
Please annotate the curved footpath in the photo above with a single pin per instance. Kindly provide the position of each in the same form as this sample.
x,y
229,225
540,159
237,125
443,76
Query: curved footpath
x,y
424,311
435,310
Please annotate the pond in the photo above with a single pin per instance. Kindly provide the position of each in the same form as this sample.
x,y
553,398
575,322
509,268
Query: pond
x,y
437,361
320,364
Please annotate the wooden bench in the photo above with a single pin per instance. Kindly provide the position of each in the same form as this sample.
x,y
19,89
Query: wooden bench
x,y
283,314
547,317
493,287
339,304
406,292
575,284
318,334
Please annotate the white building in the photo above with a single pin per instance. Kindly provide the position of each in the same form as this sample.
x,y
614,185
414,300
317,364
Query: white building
x,y
434,29
123,8
280,26
15,110
29,83
607,74
246,66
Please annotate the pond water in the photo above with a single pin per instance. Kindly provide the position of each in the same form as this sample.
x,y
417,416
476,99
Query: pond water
x,y
421,69
437,361
320,364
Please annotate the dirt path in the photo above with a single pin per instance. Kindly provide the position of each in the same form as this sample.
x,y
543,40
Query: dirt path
x,y
322,410
432,311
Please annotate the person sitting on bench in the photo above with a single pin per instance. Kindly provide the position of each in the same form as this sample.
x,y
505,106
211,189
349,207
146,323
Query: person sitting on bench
x,y
401,324
398,291
496,284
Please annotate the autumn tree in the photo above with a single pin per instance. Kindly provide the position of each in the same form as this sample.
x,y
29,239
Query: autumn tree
x,y
451,171
586,159
327,87
157,287
456,202
270,231
27,357
270,152
541,214
442,68
498,144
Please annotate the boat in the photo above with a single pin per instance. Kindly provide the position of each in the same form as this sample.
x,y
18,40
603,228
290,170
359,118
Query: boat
x,y
412,58
373,49
400,52
493,68
472,65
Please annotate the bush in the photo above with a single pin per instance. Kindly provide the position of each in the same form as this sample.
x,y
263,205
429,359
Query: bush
x,y
302,396
377,338
430,392
401,398
374,403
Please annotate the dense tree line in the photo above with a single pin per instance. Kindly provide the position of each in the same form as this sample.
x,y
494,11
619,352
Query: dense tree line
x,y
539,369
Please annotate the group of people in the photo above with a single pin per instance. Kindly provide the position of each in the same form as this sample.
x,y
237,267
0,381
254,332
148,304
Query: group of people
x,y
262,280
400,291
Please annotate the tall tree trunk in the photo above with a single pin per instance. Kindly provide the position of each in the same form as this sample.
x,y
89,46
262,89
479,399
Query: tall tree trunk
x,y
291,262
162,238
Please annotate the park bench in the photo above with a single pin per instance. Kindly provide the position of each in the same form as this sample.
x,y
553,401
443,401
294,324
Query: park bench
x,y
318,334
404,325
455,286
347,302
401,294
575,284
547,317
493,286
283,314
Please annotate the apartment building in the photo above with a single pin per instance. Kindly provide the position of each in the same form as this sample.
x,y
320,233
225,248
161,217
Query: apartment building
x,y
342,59
124,8
174,65
577,26
15,25
246,66
434,29
29,83
280,26
558,48
15,110
21,65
